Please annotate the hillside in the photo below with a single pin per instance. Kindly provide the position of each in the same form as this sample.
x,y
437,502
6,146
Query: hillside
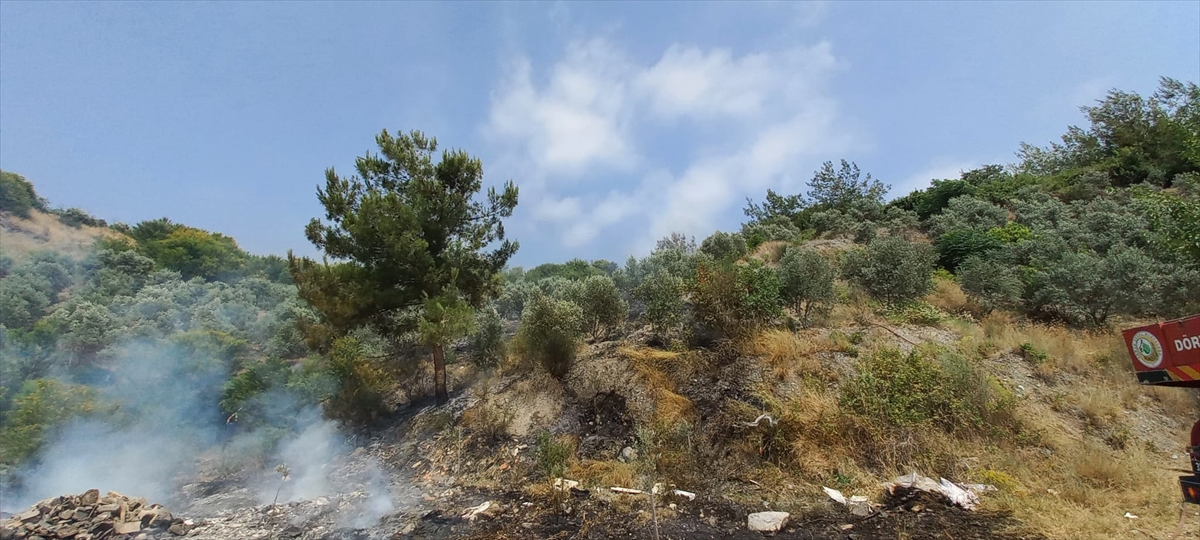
x,y
41,231
412,385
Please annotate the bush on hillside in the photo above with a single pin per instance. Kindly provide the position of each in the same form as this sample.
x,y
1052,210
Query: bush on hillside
x,y
601,302
990,284
41,406
24,298
724,246
927,387
662,293
550,331
361,383
487,342
18,196
77,217
958,245
966,212
731,301
892,269
806,282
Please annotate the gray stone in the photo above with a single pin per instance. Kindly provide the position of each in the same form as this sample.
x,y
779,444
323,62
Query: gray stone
x,y
90,497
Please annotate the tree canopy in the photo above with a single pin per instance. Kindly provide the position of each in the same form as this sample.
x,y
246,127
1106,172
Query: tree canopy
x,y
403,230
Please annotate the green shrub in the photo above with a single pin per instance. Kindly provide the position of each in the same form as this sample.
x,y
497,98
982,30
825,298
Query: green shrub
x,y
41,406
732,300
24,299
990,284
550,331
663,295
77,217
552,455
603,307
724,246
892,269
927,387
966,212
361,382
806,282
18,196
487,343
1031,353
956,246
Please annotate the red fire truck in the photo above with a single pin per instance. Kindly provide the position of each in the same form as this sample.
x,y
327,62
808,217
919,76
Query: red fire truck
x,y
1168,354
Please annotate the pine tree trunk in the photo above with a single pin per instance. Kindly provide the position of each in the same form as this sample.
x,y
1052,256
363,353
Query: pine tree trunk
x,y
439,374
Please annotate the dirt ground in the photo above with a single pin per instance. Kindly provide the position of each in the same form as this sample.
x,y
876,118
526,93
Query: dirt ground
x,y
595,519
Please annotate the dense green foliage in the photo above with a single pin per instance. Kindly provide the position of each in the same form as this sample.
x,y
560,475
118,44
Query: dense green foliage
x,y
926,387
404,230
550,331
892,269
18,196
806,282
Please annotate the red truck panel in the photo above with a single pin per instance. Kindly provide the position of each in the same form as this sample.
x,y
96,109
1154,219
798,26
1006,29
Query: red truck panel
x,y
1166,354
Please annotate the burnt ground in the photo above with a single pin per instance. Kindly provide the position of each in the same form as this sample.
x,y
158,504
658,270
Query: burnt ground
x,y
595,519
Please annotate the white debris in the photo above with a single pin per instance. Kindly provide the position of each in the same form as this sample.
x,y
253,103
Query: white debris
x,y
965,496
1130,516
770,420
563,484
626,491
686,494
767,521
835,495
474,512
858,505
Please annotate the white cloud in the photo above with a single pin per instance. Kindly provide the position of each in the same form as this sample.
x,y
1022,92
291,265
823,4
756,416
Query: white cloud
x,y
577,121
593,113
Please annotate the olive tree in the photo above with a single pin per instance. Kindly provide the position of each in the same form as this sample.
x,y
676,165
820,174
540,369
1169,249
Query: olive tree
x,y
892,269
806,282
550,331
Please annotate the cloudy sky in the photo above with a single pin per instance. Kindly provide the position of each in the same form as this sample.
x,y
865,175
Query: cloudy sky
x,y
620,122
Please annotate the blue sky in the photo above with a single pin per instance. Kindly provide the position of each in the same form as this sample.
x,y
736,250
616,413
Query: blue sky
x,y
621,122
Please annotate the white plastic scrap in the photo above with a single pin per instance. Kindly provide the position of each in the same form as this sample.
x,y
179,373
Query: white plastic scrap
x,y
770,420
965,496
687,494
835,495
474,512
1130,516
627,491
859,505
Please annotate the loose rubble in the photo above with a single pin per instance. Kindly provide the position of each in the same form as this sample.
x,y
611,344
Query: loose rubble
x,y
91,517
767,521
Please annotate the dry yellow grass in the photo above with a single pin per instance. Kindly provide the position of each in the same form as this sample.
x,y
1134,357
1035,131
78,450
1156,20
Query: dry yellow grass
x,y
22,237
790,353
655,368
770,252
591,473
947,296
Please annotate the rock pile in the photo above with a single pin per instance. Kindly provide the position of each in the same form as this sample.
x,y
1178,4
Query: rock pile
x,y
92,517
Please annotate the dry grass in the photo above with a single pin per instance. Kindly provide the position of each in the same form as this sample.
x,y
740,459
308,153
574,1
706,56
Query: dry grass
x,y
770,252
1179,403
657,369
590,473
22,237
1098,406
948,296
788,353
